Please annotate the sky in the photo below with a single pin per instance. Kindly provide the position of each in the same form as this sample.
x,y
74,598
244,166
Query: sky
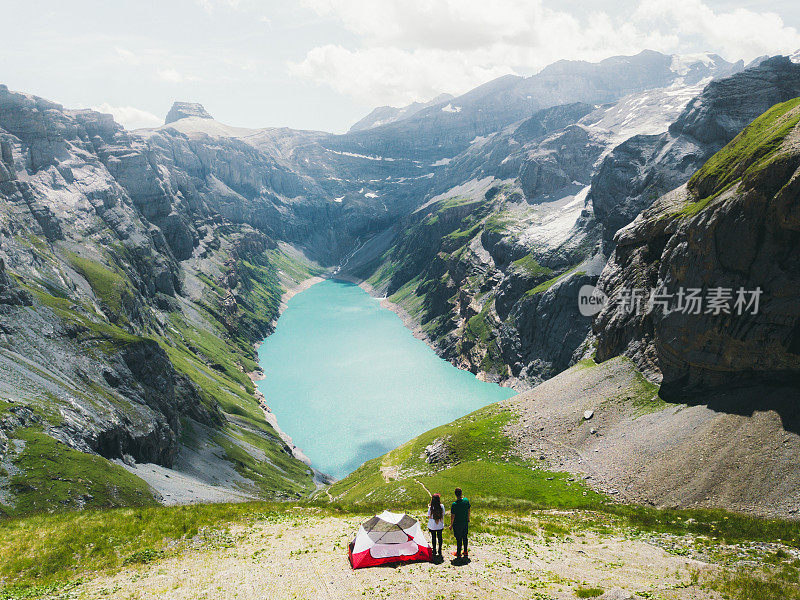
x,y
324,64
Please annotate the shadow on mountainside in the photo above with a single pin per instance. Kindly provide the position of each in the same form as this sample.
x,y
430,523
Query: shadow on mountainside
x,y
746,400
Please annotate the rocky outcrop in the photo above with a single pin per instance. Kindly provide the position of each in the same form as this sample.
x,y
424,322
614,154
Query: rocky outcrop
x,y
185,110
114,278
732,232
545,328
643,168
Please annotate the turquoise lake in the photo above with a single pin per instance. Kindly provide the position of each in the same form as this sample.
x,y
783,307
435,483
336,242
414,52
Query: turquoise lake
x,y
348,382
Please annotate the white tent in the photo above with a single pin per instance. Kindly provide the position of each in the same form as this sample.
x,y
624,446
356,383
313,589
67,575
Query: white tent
x,y
389,538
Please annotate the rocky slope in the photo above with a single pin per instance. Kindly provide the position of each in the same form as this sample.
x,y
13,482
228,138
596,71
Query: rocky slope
x,y
646,166
732,228
722,429
491,266
131,297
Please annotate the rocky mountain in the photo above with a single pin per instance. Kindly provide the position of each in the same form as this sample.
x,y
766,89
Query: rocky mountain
x,y
447,128
731,232
647,166
132,294
186,110
491,266
139,268
390,114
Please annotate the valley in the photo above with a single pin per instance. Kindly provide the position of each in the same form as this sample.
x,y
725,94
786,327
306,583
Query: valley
x,y
143,361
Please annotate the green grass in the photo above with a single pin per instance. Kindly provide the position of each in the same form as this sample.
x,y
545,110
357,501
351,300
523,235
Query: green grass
x,y
215,388
529,265
480,330
220,354
459,238
109,286
747,583
588,592
546,285
45,549
280,475
409,298
498,222
480,462
54,477
746,153
449,203
641,394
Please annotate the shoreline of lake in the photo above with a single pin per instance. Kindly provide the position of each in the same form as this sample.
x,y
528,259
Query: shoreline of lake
x,y
348,383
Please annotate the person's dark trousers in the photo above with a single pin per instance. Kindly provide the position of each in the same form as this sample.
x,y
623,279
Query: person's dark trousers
x,y
461,539
436,534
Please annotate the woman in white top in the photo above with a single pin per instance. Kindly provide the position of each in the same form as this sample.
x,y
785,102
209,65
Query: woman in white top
x,y
436,522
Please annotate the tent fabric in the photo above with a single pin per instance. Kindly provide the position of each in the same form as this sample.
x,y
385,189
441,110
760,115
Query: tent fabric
x,y
389,538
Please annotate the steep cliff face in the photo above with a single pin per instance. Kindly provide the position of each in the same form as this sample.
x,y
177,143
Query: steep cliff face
x,y
129,305
732,232
644,167
492,264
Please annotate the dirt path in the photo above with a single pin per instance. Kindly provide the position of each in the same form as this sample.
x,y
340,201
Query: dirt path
x,y
304,556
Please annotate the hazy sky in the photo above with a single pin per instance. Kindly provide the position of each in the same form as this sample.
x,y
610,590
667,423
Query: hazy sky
x,y
323,64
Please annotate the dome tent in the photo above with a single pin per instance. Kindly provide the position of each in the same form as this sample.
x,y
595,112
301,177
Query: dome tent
x,y
389,538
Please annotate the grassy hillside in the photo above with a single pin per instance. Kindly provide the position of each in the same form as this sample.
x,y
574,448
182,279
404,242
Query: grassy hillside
x,y
191,355
749,153
476,456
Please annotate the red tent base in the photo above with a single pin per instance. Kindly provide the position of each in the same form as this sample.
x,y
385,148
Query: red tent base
x,y
365,559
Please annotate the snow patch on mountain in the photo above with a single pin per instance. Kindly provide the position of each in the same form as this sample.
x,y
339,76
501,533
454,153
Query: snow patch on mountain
x,y
644,113
555,221
683,63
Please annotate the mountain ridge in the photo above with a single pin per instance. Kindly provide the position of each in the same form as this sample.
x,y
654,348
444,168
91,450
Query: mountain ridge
x,y
139,268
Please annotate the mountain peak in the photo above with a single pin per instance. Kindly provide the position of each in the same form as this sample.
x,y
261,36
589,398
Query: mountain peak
x,y
182,110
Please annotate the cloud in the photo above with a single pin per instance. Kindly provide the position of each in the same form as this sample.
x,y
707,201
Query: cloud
x,y
211,5
740,33
392,75
174,76
129,117
415,49
127,56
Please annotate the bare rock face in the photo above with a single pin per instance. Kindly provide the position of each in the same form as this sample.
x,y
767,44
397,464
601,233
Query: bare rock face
x,y
183,110
643,168
439,452
544,329
736,225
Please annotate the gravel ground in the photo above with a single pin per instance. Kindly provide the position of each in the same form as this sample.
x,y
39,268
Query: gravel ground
x,y
736,451
305,556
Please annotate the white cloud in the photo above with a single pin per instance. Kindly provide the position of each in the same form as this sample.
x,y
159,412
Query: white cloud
x,y
740,33
415,49
127,56
129,117
174,76
392,75
211,5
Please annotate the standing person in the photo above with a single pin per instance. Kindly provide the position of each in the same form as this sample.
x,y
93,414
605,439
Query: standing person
x,y
459,522
436,522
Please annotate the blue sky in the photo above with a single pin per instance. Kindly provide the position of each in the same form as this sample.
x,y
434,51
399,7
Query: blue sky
x,y
323,64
